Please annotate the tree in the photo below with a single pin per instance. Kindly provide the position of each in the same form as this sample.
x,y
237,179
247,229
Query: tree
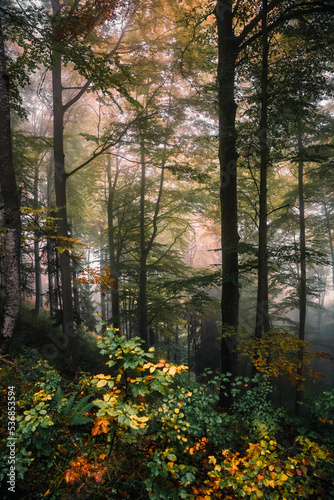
x,y
239,26
11,207
114,253
65,31
227,58
262,306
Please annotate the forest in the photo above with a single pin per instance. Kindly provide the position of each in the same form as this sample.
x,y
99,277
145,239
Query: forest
x,y
167,249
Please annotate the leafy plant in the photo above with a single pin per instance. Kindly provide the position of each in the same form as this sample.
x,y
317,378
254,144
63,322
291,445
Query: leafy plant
x,y
278,352
256,411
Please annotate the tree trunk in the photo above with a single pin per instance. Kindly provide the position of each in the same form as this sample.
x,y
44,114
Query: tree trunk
x,y
61,203
76,297
103,294
330,239
262,311
227,56
50,251
302,243
113,260
38,278
302,280
12,221
322,285
142,299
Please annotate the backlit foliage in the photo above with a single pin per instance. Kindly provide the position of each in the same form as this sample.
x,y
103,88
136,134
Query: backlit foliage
x,y
78,20
101,277
279,352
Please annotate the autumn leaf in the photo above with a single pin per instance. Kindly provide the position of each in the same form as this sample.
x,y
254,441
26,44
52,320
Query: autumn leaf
x,y
101,426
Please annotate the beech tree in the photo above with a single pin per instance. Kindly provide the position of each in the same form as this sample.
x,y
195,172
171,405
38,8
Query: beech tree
x,y
11,208
236,34
65,31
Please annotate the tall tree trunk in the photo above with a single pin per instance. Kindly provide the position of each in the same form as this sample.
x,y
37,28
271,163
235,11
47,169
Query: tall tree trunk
x,y
322,285
76,297
103,294
12,219
262,311
302,243
61,203
146,244
142,299
51,269
330,237
113,259
38,278
227,56
302,280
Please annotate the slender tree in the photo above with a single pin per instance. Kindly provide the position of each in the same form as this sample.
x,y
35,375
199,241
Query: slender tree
x,y
262,305
64,32
302,278
114,253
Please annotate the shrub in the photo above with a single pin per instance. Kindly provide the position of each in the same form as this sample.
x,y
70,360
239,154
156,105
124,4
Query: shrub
x,y
143,430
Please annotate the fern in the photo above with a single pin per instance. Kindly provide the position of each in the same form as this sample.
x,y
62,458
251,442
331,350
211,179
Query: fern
x,y
71,412
77,416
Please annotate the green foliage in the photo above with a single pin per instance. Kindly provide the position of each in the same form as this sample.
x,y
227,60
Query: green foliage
x,y
72,412
319,422
33,332
266,470
321,403
123,408
145,430
255,410
44,419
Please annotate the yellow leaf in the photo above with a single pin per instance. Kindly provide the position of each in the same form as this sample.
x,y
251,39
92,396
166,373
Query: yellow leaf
x,y
172,371
101,383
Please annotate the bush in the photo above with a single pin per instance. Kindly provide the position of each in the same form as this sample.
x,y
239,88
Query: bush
x,y
142,430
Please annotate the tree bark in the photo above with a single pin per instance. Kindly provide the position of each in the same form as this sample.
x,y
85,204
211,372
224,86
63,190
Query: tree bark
x,y
61,203
262,307
142,299
103,294
302,244
76,298
227,57
12,220
330,238
113,260
50,251
38,278
302,279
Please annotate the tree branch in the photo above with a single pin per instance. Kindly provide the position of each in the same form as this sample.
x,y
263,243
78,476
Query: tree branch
x,y
279,208
294,11
77,96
